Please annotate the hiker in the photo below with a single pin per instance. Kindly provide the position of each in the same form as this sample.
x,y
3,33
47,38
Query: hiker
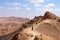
x,y
32,28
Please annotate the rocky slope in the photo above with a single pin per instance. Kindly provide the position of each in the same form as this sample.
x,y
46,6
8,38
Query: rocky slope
x,y
46,27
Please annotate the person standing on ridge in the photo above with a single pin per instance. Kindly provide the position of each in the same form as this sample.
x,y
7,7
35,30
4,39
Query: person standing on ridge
x,y
32,27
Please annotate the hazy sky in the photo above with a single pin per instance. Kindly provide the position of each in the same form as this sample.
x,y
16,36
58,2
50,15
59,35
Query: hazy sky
x,y
28,8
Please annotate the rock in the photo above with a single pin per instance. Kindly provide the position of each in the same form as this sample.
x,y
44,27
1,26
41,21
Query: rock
x,y
50,15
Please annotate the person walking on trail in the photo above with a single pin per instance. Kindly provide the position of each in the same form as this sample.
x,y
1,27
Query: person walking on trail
x,y
32,27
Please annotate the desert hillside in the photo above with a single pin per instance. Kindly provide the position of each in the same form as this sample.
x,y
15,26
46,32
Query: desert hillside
x,y
11,24
46,27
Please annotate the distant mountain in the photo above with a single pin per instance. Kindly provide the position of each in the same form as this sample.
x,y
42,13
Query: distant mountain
x,y
11,24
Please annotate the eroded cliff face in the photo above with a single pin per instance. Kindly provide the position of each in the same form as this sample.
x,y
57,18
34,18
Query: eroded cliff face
x,y
46,27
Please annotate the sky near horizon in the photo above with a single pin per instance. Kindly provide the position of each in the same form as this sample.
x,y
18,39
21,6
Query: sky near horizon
x,y
28,8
